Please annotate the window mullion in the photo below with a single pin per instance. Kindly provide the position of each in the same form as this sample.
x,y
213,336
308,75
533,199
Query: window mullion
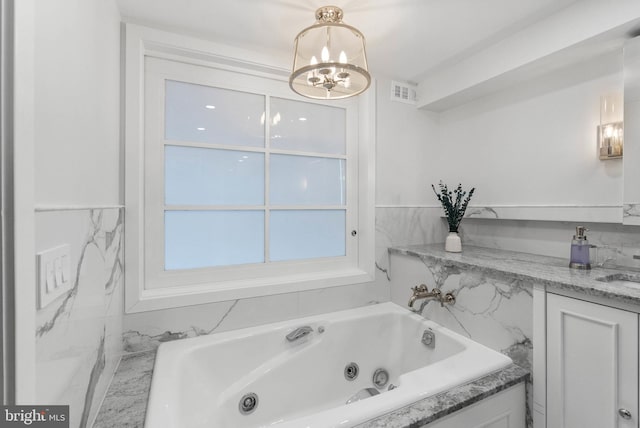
x,y
267,175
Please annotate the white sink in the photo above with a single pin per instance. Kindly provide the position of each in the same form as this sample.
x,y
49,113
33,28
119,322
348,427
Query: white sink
x,y
626,279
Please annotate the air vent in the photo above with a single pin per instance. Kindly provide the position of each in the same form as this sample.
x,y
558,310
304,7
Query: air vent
x,y
403,92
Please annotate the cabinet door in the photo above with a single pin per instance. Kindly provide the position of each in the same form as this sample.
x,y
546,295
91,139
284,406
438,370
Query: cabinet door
x,y
592,365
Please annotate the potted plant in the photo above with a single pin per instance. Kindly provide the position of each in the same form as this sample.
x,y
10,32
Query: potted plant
x,y
455,204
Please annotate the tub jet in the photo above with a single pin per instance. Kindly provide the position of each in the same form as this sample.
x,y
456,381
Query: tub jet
x,y
248,403
380,378
351,371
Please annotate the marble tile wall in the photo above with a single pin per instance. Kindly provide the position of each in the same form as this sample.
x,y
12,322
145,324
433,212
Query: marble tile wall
x,y
79,335
631,210
492,309
147,330
617,243
406,226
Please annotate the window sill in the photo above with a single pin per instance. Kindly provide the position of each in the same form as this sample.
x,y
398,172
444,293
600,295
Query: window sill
x,y
142,300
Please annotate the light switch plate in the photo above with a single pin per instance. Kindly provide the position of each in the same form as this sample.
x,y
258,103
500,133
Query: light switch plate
x,y
54,276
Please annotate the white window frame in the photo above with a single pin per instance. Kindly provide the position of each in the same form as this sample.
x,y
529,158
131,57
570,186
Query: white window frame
x,y
147,290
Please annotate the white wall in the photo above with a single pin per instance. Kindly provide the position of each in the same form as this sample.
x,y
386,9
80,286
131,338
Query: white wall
x,y
23,147
406,137
77,91
540,150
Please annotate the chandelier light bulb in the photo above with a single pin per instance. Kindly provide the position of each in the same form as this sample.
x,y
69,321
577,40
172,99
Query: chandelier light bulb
x,y
343,58
325,54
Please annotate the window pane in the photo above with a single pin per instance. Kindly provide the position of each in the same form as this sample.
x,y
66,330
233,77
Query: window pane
x,y
305,180
196,239
307,234
296,125
211,115
196,176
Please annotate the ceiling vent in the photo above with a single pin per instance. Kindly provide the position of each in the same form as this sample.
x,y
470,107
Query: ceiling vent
x,y
403,92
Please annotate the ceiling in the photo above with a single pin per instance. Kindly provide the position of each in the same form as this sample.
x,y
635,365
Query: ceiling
x,y
406,39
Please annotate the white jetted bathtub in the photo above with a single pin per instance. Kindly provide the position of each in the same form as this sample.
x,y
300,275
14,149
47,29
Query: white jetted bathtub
x,y
257,377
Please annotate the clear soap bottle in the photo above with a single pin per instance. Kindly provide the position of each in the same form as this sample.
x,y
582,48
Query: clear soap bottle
x,y
580,250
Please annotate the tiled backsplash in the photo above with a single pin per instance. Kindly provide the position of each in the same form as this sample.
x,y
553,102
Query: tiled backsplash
x,y
147,330
617,244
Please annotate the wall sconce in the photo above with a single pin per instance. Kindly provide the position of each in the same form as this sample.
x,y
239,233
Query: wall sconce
x,y
611,129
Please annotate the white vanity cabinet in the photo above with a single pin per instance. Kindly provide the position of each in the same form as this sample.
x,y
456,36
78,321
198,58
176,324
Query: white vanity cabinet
x,y
591,365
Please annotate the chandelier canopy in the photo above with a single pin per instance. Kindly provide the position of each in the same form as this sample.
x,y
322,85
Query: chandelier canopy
x,y
329,59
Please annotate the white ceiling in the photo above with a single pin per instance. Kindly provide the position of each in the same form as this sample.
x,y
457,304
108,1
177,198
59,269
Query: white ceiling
x,y
405,38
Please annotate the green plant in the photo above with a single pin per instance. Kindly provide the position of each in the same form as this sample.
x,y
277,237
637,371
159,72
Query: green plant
x,y
454,203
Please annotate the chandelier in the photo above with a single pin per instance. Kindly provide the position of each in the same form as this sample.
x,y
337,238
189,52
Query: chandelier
x,y
329,60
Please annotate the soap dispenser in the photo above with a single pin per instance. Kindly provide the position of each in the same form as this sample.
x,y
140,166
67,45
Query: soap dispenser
x,y
580,250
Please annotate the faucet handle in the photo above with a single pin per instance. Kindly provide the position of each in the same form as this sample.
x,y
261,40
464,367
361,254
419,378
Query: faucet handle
x,y
420,288
448,298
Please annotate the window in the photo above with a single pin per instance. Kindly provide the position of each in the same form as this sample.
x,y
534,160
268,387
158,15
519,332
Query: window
x,y
245,188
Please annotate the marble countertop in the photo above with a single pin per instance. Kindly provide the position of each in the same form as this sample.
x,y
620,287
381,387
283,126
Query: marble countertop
x,y
552,272
125,404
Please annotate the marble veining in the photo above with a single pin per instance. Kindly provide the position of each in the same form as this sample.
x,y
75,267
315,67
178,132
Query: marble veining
x,y
481,212
384,271
137,341
126,401
631,210
550,271
200,332
96,372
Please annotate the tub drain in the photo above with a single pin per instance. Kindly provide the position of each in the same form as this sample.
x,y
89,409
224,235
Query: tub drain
x,y
380,378
248,403
351,371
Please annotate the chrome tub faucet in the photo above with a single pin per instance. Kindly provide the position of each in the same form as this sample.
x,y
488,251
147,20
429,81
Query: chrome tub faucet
x,y
422,292
299,333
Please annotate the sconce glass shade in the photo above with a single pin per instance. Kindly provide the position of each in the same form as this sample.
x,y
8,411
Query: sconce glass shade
x,y
329,58
611,129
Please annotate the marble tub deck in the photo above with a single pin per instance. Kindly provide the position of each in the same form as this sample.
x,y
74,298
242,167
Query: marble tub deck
x,y
125,404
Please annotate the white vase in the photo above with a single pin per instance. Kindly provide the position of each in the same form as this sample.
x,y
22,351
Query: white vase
x,y
453,244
